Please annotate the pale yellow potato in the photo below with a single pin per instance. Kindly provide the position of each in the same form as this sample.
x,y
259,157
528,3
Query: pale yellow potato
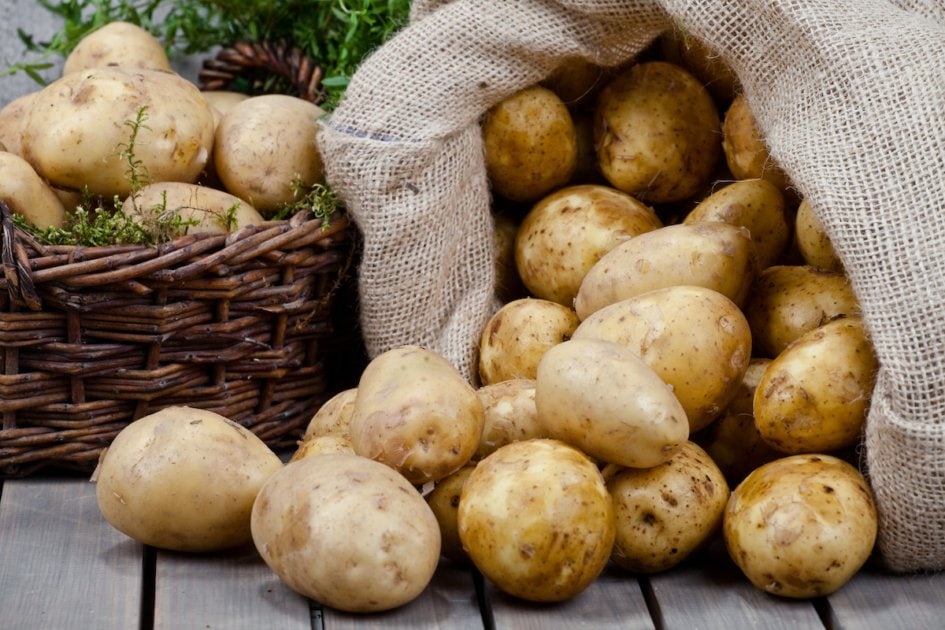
x,y
713,255
347,532
416,413
786,301
13,120
265,147
600,397
746,152
812,240
801,526
27,194
223,100
518,334
183,479
117,44
79,130
755,204
214,211
334,416
530,144
815,395
320,445
565,233
695,339
666,512
509,414
657,132
536,519
444,502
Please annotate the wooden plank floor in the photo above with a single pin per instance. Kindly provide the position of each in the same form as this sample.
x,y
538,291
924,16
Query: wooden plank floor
x,y
63,568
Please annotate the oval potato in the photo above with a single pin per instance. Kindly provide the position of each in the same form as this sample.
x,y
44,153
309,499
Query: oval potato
x,y
202,210
26,194
13,120
117,44
744,147
334,416
812,240
509,414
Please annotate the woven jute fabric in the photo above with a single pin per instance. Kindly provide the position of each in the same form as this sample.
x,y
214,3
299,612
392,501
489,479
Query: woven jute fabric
x,y
850,95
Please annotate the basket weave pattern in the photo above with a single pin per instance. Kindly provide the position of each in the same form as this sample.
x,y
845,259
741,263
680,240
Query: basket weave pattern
x,y
92,338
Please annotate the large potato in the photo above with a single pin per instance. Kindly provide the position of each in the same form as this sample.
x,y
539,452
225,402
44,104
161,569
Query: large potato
x,y
530,144
117,44
536,519
202,210
657,132
509,413
79,130
565,233
416,413
714,255
746,152
346,531
695,339
27,194
814,396
183,479
602,398
801,526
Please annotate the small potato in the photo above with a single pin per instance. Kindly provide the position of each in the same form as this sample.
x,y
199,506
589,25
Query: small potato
x,y
444,501
334,416
815,395
117,44
347,532
576,81
321,444
813,242
265,150
416,413
507,281
801,526
755,204
183,479
565,233
657,132
713,255
223,100
203,210
518,334
698,57
745,150
530,144
509,414
27,194
786,301
12,120
537,521
602,398
665,513
695,339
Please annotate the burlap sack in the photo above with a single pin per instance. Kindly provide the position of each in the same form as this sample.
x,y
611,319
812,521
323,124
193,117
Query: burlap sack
x,y
850,95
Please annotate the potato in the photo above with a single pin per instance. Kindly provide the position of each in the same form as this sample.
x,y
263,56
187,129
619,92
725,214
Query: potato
x,y
576,81
602,398
27,194
444,502
713,255
117,44
79,130
518,334
202,210
666,512
657,132
183,479
12,120
813,242
416,413
801,526
815,395
347,532
223,100
744,146
321,444
707,65
536,519
509,414
786,301
334,416
266,150
508,284
565,233
755,204
530,144
695,339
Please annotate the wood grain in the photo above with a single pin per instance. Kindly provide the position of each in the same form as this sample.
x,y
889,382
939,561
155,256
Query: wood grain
x,y
882,601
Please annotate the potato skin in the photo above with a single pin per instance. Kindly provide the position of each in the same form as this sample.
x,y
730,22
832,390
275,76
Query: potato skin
x,y
209,207
25,192
444,502
334,416
812,240
801,526
346,531
117,44
743,145
509,413
13,120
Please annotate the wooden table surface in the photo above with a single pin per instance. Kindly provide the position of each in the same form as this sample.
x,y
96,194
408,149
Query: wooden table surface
x,y
62,567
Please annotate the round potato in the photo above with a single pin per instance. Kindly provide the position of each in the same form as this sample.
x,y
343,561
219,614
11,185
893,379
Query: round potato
x,y
444,502
321,444
346,531
27,194
666,512
416,413
801,526
202,210
509,414
565,233
530,144
334,416
518,334
183,479
815,395
602,398
536,519
266,152
813,242
13,120
117,44
713,255
745,150
695,339
657,132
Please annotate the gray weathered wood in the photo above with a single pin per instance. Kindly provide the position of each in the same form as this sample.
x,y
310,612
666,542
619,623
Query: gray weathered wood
x,y
61,564
880,601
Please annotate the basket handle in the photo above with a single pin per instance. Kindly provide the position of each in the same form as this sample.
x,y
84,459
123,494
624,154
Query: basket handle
x,y
276,59
16,263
